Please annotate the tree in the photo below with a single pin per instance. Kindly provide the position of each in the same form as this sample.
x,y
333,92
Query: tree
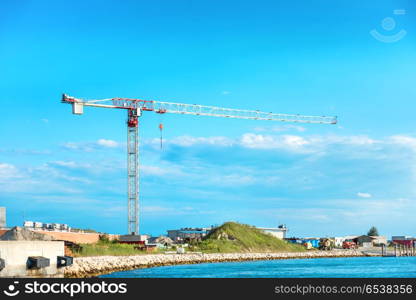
x,y
373,231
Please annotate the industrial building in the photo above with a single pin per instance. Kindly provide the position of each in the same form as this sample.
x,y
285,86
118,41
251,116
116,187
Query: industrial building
x,y
370,241
46,226
401,238
183,234
2,217
279,232
161,240
137,239
404,240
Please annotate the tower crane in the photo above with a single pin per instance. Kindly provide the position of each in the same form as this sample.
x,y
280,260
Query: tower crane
x,y
135,108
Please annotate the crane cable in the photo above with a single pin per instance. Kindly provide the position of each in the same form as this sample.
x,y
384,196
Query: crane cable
x,y
161,138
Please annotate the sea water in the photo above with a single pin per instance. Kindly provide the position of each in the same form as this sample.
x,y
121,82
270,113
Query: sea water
x,y
286,268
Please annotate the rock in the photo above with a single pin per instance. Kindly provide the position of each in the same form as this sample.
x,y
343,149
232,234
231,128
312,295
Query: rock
x,y
23,234
91,266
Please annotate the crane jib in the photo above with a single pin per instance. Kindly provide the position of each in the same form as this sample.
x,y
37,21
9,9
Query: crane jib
x,y
194,109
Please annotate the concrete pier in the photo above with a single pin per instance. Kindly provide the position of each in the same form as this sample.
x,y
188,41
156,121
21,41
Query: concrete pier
x,y
16,254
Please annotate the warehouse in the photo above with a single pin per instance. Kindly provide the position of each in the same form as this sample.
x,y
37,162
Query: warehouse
x,y
187,233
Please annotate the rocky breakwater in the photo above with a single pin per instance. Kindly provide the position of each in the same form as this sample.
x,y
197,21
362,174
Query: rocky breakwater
x,y
98,265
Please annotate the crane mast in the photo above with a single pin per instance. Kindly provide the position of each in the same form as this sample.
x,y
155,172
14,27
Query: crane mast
x,y
133,171
135,107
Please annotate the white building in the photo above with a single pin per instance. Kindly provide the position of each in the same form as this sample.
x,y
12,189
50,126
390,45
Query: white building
x,y
278,232
28,224
339,240
46,226
38,225
2,217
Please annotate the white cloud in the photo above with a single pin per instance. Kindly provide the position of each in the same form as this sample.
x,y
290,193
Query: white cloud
x,y
113,211
404,140
87,147
187,141
48,171
39,179
73,165
282,128
364,195
8,171
155,209
289,127
259,141
294,141
91,146
173,211
69,164
233,180
107,143
353,140
188,208
319,215
161,171
374,208
310,144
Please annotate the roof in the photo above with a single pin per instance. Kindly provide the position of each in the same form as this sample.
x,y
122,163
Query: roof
x,y
3,231
350,237
193,231
160,239
373,237
272,229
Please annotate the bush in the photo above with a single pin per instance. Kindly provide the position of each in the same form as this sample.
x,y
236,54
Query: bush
x,y
106,247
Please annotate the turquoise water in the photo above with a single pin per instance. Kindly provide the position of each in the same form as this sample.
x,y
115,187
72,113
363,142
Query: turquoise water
x,y
318,267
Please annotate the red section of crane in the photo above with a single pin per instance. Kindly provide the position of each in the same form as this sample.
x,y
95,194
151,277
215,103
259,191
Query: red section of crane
x,y
132,120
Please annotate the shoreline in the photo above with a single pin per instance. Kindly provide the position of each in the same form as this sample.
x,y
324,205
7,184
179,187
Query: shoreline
x,y
91,266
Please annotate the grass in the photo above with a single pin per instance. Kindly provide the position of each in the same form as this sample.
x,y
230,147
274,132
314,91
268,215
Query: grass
x,y
229,237
235,237
104,247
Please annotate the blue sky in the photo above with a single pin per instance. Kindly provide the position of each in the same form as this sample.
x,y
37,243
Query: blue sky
x,y
307,57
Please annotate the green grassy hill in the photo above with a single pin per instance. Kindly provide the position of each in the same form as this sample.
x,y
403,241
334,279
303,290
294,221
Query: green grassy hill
x,y
235,237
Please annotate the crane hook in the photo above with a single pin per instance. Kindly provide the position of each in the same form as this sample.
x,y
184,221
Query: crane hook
x,y
161,128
